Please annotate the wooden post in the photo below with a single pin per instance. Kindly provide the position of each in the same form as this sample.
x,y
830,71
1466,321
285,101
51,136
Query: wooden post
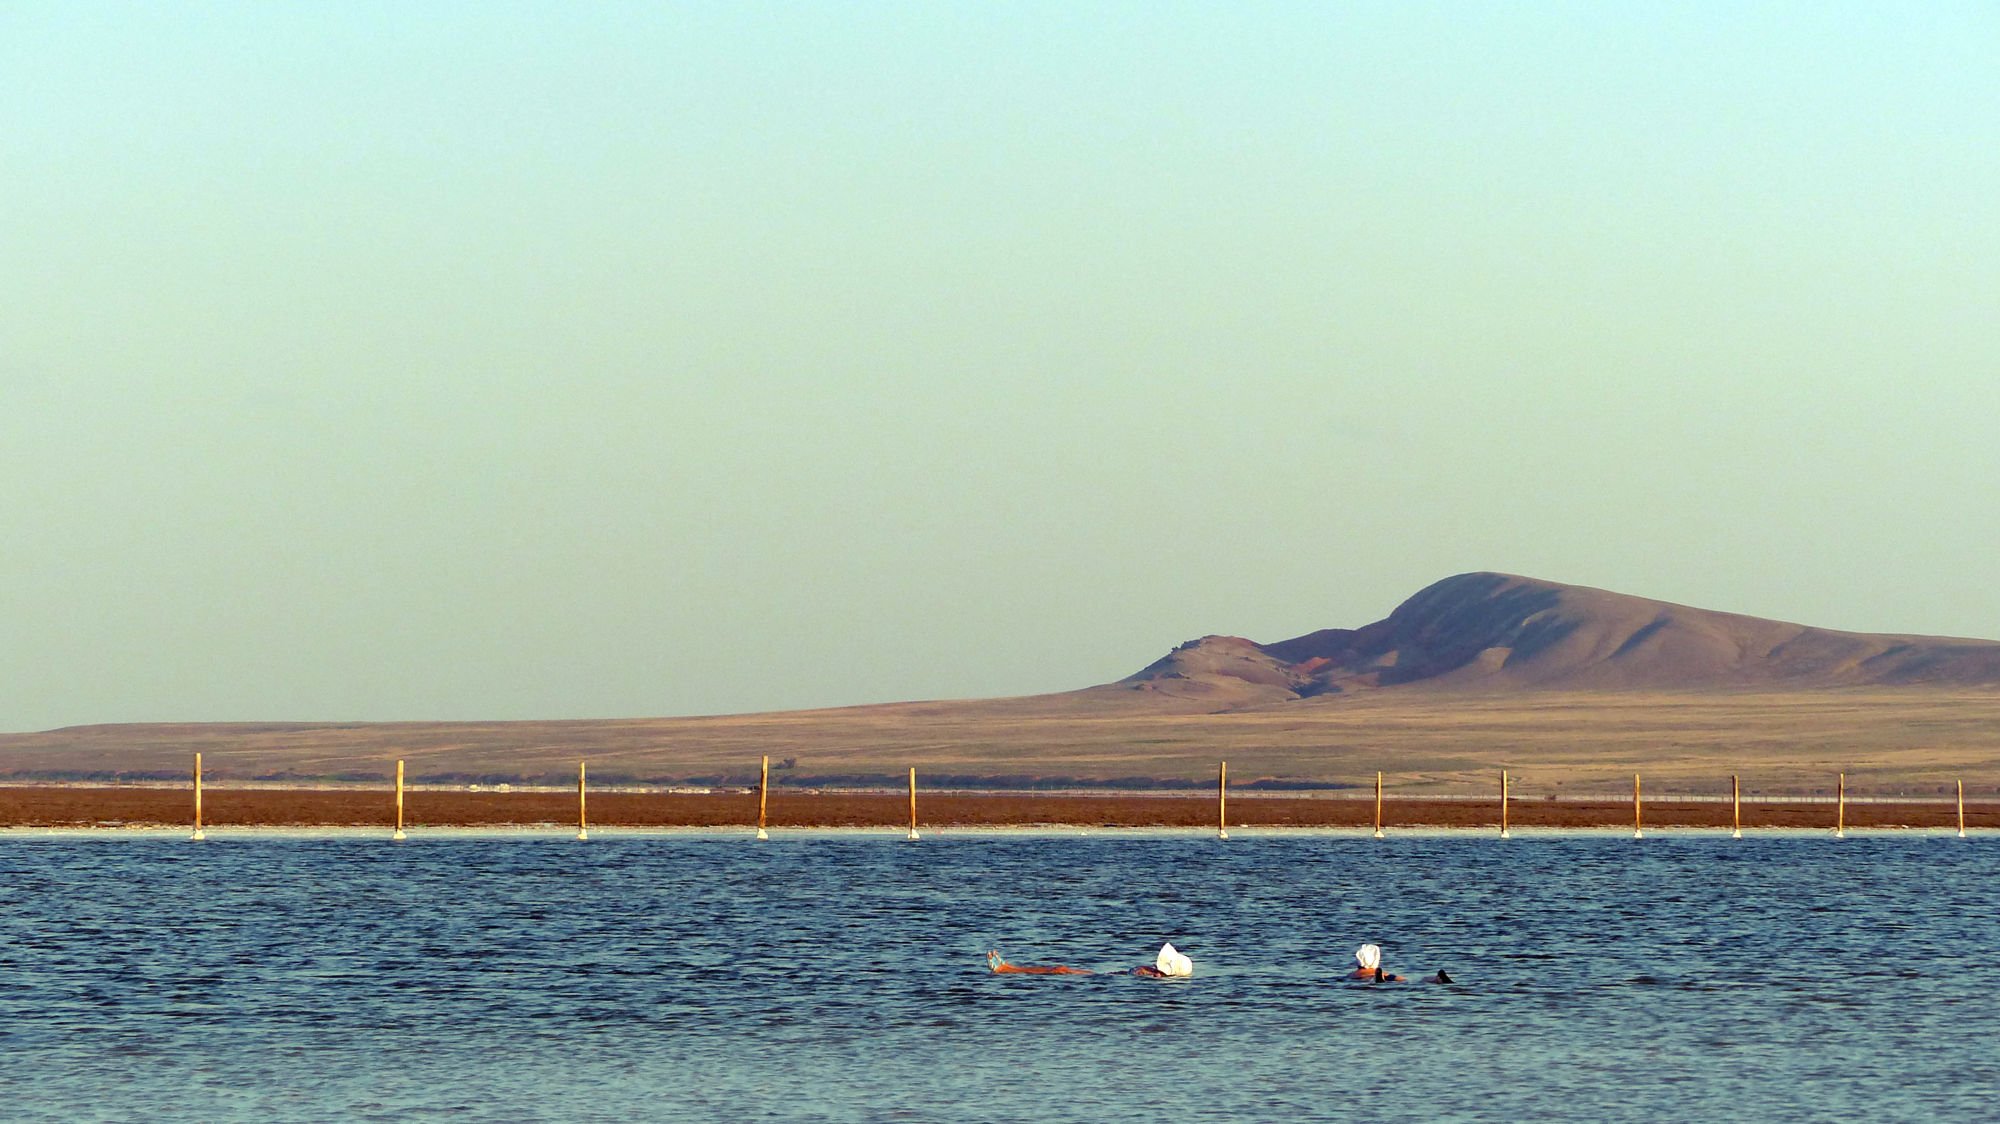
x,y
1735,808
1638,817
1503,803
1378,804
582,818
399,800
1222,803
200,835
1961,809
1840,813
763,796
913,804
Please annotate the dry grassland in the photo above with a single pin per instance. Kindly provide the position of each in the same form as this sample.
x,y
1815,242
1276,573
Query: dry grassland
x,y
1889,741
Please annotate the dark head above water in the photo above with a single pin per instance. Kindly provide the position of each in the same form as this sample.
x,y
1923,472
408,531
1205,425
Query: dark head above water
x,y
1488,631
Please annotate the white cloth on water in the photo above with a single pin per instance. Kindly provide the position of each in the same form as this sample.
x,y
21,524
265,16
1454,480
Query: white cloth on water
x,y
1369,956
1172,962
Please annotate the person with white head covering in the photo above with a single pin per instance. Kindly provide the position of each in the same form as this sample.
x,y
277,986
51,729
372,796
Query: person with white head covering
x,y
1171,963
1369,960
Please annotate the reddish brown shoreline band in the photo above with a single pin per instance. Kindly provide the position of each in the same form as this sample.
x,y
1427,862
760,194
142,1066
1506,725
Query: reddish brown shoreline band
x,y
115,806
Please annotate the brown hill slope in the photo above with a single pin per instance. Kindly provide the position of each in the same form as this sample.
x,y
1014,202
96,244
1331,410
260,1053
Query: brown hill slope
x,y
1499,632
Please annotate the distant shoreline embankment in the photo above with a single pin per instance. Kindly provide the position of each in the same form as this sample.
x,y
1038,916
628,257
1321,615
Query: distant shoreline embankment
x,y
68,806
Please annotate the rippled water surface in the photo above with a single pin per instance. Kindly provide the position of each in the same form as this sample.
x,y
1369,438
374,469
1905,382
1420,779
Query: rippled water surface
x,y
842,978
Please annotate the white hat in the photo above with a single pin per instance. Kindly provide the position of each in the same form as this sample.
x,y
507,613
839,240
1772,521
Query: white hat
x,y
1369,956
1172,962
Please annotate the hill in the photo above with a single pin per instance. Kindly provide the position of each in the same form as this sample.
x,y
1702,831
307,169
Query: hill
x,y
1500,632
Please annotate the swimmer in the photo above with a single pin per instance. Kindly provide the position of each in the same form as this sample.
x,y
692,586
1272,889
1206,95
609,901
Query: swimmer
x,y
1170,964
1369,959
1441,977
999,964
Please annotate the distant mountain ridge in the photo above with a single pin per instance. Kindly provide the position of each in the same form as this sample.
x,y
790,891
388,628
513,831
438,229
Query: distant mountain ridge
x,y
1498,632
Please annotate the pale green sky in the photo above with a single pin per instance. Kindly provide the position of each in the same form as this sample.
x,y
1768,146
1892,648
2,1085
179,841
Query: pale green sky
x,y
380,361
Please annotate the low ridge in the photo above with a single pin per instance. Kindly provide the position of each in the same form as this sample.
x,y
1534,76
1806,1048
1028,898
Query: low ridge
x,y
1487,631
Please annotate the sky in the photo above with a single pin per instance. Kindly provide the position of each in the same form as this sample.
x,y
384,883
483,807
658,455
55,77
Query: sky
x,y
383,361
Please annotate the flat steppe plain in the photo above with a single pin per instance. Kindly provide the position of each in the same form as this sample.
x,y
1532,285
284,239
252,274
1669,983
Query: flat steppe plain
x,y
1889,741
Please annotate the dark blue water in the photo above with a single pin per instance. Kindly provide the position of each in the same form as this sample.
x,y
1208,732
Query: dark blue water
x,y
843,978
